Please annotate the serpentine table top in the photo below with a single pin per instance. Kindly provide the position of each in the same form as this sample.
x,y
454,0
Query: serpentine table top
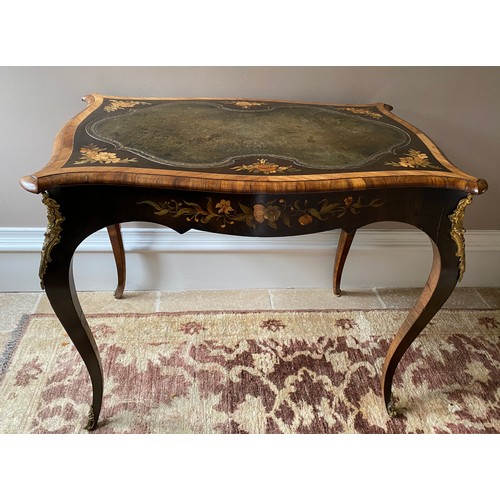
x,y
252,168
244,146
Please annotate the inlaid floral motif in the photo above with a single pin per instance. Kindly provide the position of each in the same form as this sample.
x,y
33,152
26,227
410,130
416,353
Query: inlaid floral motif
x,y
298,213
263,167
95,154
412,159
224,207
115,105
364,112
247,104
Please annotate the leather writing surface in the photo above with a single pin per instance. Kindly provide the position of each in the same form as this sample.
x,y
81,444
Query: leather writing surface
x,y
213,135
206,134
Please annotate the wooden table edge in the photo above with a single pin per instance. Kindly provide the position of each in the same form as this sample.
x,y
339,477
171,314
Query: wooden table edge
x,y
250,185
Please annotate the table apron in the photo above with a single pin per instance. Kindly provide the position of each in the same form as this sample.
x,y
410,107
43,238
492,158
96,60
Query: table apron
x,y
90,208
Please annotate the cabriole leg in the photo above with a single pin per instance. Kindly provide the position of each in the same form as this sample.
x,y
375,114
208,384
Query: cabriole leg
x,y
56,276
115,236
345,241
448,267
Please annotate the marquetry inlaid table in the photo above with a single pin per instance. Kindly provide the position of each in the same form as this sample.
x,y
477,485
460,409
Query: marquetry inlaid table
x,y
250,168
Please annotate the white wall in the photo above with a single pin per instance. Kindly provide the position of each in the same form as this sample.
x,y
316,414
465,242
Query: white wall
x,y
160,259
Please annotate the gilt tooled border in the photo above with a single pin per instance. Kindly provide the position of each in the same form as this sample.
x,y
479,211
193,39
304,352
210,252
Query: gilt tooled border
x,y
457,232
52,234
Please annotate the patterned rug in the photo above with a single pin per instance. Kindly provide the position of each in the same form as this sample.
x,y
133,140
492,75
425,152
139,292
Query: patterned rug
x,y
255,372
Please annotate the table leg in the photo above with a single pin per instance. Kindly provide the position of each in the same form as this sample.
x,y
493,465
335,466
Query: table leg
x,y
56,277
59,286
115,236
439,286
448,267
343,247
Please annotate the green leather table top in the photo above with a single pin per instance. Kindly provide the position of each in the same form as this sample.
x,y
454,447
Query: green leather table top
x,y
268,137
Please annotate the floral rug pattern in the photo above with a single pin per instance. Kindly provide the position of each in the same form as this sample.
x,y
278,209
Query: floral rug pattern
x,y
255,372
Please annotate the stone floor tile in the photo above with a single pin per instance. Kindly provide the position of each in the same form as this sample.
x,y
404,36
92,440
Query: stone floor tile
x,y
323,298
104,302
405,298
399,298
214,300
465,298
491,296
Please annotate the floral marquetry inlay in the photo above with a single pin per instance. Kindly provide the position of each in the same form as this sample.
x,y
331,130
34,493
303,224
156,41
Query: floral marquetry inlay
x,y
115,105
247,104
296,214
95,154
363,112
264,167
413,159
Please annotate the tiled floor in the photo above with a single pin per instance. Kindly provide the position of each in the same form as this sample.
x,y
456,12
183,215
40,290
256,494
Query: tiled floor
x,y
14,305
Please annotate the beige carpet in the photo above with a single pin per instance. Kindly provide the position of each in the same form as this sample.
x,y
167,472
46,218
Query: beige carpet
x,y
255,372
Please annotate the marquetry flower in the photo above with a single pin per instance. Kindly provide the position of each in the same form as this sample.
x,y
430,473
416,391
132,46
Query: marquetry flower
x,y
224,207
365,112
95,154
272,213
263,167
259,213
413,159
246,104
305,219
115,105
348,201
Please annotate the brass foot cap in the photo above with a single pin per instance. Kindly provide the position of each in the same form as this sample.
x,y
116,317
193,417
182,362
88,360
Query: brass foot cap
x,y
391,409
91,422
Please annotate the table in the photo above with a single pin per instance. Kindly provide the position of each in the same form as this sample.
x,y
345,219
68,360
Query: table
x,y
246,167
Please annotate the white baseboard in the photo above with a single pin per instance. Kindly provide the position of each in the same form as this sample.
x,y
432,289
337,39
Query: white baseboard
x,y
159,258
